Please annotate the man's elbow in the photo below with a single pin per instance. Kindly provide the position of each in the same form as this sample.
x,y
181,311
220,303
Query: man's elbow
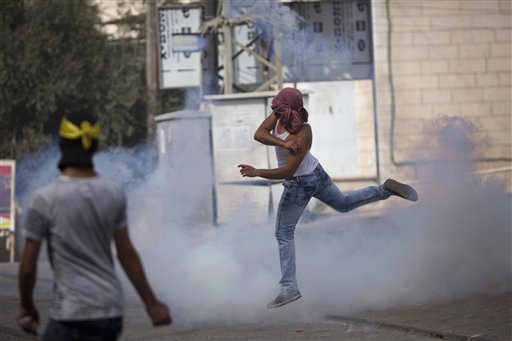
x,y
257,135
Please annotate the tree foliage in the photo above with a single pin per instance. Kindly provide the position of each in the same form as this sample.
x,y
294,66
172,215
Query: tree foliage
x,y
54,58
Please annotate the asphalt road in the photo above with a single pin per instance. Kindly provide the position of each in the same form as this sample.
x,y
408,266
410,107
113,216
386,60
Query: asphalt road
x,y
479,318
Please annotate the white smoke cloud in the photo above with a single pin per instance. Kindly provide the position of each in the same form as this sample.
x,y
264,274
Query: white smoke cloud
x,y
454,242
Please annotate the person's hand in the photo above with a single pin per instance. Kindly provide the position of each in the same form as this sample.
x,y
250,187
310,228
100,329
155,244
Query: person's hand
x,y
28,320
292,145
159,314
247,170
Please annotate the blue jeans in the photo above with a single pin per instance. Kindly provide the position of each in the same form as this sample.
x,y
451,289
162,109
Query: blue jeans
x,y
91,330
296,195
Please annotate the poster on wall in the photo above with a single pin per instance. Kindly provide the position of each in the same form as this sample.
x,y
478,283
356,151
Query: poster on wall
x,y
7,205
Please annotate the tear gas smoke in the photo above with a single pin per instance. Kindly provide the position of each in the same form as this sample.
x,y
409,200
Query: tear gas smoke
x,y
270,17
299,44
454,242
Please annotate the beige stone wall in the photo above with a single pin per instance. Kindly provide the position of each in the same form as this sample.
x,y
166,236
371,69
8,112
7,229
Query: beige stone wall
x,y
448,57
366,144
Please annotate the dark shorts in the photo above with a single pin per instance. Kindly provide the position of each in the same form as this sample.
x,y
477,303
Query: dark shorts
x,y
91,330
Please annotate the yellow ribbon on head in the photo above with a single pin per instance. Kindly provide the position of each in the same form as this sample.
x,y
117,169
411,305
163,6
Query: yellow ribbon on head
x,y
86,131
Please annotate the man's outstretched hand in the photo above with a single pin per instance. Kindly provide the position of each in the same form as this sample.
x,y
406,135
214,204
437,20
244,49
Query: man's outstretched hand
x,y
247,171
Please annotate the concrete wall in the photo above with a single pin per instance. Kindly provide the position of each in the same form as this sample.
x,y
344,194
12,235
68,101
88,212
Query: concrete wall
x,y
448,57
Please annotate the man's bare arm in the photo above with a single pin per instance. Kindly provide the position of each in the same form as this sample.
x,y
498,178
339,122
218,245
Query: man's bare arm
x,y
263,134
130,261
303,139
26,282
285,172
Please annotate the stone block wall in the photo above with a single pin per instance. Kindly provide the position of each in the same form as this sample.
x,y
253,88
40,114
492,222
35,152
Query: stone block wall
x,y
442,57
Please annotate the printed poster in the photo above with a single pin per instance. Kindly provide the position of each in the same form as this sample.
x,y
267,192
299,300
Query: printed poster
x,y
7,206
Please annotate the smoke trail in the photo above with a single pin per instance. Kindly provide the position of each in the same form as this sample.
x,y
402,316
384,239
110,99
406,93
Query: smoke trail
x,y
132,167
34,171
300,39
269,17
128,166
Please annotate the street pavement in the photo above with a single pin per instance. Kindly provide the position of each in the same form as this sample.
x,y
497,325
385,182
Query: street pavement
x,y
480,318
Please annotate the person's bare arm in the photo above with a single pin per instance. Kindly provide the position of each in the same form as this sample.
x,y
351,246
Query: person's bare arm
x,y
285,172
28,314
130,261
263,135
303,139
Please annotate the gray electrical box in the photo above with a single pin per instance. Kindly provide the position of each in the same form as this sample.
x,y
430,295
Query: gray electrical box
x,y
186,163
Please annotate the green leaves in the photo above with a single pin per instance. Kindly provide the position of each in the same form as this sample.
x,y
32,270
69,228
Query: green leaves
x,y
53,59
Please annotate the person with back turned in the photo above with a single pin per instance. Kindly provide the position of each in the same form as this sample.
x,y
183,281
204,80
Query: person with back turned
x,y
287,130
79,214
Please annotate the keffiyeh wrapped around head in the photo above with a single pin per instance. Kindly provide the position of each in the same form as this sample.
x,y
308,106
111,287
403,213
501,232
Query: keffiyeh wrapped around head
x,y
288,106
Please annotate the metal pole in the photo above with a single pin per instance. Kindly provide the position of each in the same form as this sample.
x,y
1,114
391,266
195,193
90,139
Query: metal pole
x,y
278,63
228,49
374,99
151,66
210,75
215,204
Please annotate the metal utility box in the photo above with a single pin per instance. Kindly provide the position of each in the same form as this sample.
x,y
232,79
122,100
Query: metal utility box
x,y
186,165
